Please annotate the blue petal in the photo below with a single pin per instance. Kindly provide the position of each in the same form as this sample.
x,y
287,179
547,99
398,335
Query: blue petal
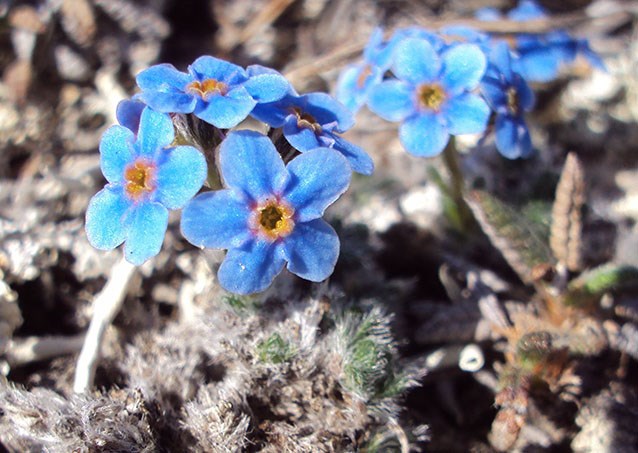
x,y
526,10
164,78
326,110
251,268
317,178
424,135
208,67
512,137
466,114
273,113
354,84
488,14
128,114
312,250
358,159
181,171
217,220
147,224
392,100
301,138
267,87
105,226
169,102
226,111
416,61
250,164
494,92
537,62
463,67
500,57
156,132
116,152
525,94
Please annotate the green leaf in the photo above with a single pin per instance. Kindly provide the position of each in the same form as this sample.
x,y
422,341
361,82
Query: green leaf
x,y
590,286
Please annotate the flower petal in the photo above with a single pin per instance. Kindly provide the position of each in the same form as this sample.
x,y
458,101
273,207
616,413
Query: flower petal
x,y
354,83
317,178
463,67
267,87
147,224
250,164
466,114
208,67
181,171
326,110
156,131
302,138
526,98
105,227
500,57
512,137
416,61
358,159
128,114
169,102
494,92
226,111
312,250
116,152
164,78
217,220
392,100
251,268
272,113
424,135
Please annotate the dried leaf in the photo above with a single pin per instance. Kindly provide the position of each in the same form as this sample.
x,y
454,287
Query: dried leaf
x,y
566,233
519,240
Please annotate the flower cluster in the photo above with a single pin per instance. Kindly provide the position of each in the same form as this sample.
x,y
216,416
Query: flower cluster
x,y
447,83
268,215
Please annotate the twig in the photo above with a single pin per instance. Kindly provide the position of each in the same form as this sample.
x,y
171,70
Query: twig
x,y
266,16
106,306
32,349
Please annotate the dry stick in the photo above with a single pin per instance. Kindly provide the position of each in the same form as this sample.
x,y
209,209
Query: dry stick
x,y
105,307
266,16
32,349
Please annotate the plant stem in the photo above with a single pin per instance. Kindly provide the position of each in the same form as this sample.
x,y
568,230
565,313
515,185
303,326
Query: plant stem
x,y
451,162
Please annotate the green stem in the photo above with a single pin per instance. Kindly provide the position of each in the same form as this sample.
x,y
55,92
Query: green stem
x,y
457,184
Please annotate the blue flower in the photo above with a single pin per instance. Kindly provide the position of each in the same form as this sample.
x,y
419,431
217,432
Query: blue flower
x,y
315,120
270,214
146,177
356,80
218,92
510,97
431,97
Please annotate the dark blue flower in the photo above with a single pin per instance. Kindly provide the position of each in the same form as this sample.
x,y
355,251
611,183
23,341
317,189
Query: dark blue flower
x,y
128,114
510,97
146,177
270,214
315,120
219,92
432,97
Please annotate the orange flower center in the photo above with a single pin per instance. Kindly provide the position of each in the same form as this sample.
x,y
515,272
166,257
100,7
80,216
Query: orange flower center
x,y
207,88
431,95
306,120
273,219
140,179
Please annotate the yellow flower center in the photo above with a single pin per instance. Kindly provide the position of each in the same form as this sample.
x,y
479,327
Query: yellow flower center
x,y
431,95
306,120
513,103
140,179
207,88
273,219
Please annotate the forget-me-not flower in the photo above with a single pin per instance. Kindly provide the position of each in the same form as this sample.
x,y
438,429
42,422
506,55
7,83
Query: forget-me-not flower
x,y
218,92
146,177
128,114
315,120
510,97
432,95
269,214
